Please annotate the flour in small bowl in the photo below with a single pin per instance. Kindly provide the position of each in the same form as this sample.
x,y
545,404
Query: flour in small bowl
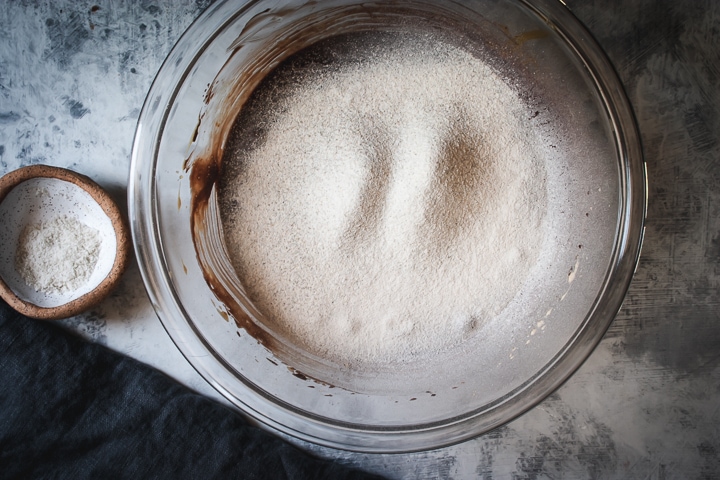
x,y
382,197
58,256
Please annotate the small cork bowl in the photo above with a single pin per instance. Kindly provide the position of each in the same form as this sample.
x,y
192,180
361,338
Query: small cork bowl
x,y
31,198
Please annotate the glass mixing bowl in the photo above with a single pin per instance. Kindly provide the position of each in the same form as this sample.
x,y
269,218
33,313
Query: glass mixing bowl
x,y
595,184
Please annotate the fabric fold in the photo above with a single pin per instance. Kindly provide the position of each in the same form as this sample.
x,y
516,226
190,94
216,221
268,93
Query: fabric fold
x,y
73,409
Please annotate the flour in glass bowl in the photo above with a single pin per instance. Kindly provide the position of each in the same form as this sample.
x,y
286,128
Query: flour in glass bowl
x,y
382,197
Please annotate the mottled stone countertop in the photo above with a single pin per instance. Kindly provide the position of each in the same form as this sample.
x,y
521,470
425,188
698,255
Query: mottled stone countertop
x,y
646,404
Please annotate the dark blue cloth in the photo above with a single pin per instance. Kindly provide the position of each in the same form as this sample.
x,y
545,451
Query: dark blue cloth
x,y
73,409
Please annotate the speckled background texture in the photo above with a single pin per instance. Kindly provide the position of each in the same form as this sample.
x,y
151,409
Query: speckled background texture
x,y
646,404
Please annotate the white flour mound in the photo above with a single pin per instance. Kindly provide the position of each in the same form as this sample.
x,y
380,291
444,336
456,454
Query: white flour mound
x,y
391,207
58,256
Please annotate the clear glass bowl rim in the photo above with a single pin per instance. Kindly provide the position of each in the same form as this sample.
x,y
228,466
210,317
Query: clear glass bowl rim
x,y
149,248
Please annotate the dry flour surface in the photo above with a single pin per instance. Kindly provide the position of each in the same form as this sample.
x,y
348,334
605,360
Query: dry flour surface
x,y
57,256
385,204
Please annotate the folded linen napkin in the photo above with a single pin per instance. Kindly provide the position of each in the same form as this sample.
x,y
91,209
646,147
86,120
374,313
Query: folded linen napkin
x,y
74,409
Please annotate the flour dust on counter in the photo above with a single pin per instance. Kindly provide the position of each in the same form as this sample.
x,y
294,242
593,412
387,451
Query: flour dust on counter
x,y
382,196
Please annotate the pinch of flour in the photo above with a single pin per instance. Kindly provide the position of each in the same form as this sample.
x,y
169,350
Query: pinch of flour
x,y
57,256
